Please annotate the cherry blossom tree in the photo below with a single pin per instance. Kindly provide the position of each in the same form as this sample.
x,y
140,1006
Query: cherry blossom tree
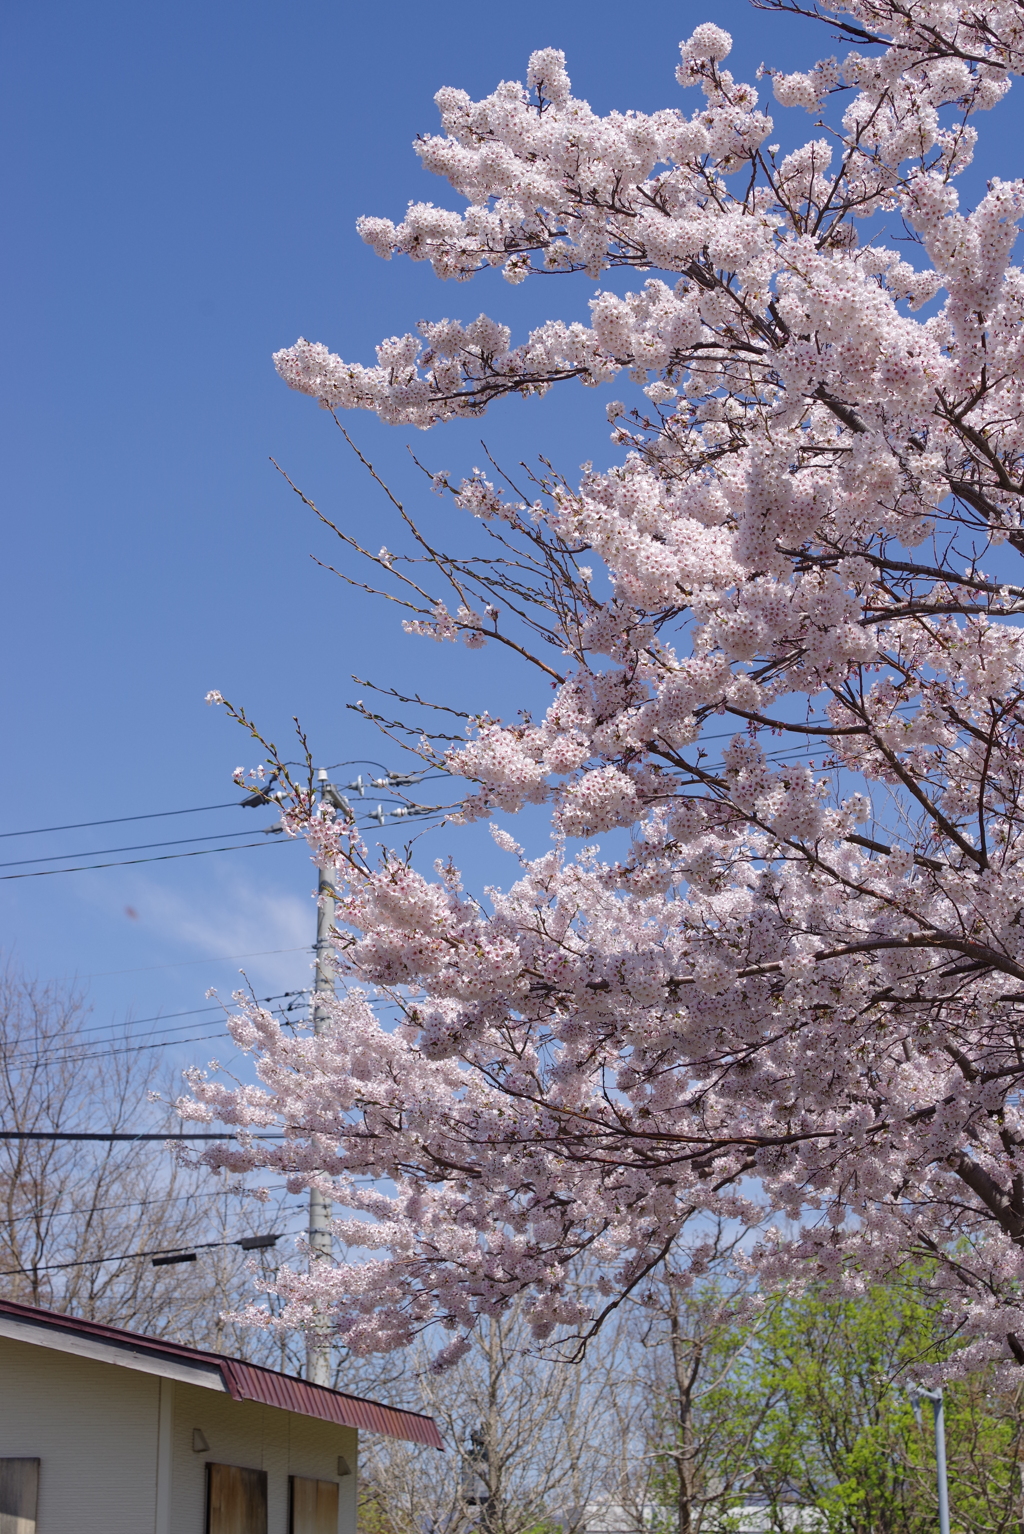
x,y
787,674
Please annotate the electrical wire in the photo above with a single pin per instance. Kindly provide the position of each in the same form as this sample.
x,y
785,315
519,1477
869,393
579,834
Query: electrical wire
x,y
163,1017
362,761
126,1049
135,1203
107,1136
100,852
68,1056
43,1059
89,1262
119,820
199,809
56,1057
353,761
167,857
179,1198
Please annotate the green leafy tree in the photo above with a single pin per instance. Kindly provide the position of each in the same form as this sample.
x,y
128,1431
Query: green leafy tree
x,y
822,1387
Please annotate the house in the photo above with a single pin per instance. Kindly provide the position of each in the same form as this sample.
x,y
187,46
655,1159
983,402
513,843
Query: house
x,y
107,1432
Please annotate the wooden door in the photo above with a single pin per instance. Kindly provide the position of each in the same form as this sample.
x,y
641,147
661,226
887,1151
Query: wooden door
x,y
19,1494
236,1500
314,1506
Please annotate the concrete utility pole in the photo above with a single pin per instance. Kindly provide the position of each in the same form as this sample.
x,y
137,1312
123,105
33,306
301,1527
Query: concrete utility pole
x,y
935,1397
318,1347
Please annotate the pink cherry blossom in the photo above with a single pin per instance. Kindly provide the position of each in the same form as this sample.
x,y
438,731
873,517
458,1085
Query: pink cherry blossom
x,y
796,992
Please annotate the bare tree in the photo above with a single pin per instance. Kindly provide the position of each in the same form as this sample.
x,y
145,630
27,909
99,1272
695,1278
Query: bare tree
x,y
530,1439
683,1463
74,1215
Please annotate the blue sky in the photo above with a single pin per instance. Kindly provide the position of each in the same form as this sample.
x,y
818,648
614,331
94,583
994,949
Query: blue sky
x,y
181,185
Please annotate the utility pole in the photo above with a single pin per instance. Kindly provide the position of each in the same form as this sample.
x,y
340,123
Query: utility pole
x,y
935,1397
318,1347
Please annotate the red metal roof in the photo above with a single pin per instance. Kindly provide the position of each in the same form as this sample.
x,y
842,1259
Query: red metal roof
x,y
250,1382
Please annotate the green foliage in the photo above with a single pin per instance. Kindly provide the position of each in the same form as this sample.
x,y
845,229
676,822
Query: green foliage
x,y
818,1398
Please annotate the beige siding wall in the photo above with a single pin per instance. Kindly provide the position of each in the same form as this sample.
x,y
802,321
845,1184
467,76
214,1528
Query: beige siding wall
x,y
262,1438
96,1429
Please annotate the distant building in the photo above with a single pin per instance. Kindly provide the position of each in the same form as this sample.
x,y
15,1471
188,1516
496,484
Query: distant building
x,y
606,1516
760,1517
107,1432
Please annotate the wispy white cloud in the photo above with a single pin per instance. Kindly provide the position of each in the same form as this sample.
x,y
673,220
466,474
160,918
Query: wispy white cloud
x,y
236,915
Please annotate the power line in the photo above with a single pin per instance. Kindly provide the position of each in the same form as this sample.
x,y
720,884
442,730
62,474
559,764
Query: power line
x,y
199,809
135,1203
167,857
255,1244
60,1134
100,852
119,820
55,1057
178,1198
127,1049
163,1017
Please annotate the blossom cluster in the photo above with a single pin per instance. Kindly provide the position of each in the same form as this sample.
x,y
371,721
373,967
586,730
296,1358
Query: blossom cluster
x,y
798,988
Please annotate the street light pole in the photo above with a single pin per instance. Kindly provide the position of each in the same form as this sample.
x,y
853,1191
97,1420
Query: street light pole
x,y
318,1348
938,1412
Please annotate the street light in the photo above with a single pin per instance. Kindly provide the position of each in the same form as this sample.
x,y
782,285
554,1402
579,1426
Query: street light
x,y
935,1397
